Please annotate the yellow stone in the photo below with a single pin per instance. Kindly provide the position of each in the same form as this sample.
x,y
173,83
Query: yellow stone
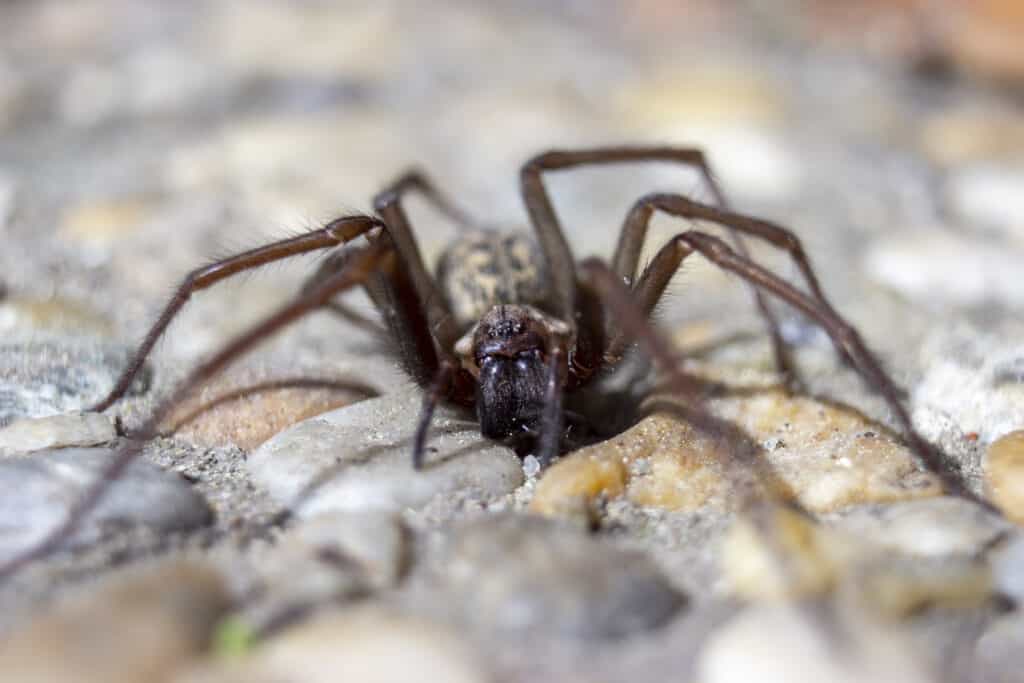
x,y
1004,474
103,222
573,483
767,445
775,553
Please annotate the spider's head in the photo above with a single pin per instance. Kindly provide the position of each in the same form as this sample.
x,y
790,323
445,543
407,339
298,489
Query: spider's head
x,y
509,347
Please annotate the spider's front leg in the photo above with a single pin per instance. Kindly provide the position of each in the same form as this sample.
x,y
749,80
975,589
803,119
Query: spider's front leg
x,y
364,263
335,233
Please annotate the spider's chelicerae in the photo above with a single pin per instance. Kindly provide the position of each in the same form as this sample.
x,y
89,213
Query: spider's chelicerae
x,y
510,324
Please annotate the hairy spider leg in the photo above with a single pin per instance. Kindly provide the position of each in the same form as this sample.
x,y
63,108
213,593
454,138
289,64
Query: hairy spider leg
x,y
634,231
670,256
559,256
337,232
365,262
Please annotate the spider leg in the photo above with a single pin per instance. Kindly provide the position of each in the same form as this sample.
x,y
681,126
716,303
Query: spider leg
x,y
365,262
650,287
338,231
627,253
553,418
388,205
841,332
415,180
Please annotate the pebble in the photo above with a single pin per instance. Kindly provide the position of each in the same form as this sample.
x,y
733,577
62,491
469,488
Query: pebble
x,y
56,431
941,269
358,458
968,378
40,378
1004,474
528,574
23,314
39,491
137,625
370,644
247,406
989,196
930,527
786,643
997,652
775,553
1008,568
340,556
825,457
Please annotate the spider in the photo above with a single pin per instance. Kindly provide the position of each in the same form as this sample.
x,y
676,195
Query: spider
x,y
509,324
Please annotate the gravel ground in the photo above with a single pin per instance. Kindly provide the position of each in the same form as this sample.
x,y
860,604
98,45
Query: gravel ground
x,y
139,140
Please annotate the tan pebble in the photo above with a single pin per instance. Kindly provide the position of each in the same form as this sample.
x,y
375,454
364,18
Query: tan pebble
x,y
769,445
249,406
569,485
57,431
135,626
366,644
103,222
58,314
1004,474
775,553
899,587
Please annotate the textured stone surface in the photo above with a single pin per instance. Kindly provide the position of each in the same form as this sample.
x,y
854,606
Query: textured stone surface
x,y
531,574
1004,474
359,458
825,457
139,140
365,644
41,488
136,626
42,378
787,644
57,431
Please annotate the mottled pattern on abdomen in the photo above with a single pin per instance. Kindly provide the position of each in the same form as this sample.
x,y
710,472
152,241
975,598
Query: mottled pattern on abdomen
x,y
481,270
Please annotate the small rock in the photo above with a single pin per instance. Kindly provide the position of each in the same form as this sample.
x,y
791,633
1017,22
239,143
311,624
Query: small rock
x,y
1008,568
43,378
990,196
526,574
827,457
56,431
135,626
930,527
248,406
787,644
772,553
19,315
997,655
940,269
367,644
340,556
358,458
104,222
969,378
1004,474
39,491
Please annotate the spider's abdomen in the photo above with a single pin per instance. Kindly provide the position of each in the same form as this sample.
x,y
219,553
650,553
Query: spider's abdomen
x,y
482,270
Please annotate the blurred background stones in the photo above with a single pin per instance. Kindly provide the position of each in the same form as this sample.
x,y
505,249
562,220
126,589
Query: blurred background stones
x,y
139,140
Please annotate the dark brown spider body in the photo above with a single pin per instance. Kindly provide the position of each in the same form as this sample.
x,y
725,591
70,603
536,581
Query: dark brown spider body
x,y
510,324
496,287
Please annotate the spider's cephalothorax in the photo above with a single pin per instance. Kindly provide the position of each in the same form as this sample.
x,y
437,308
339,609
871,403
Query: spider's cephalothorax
x,y
510,325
